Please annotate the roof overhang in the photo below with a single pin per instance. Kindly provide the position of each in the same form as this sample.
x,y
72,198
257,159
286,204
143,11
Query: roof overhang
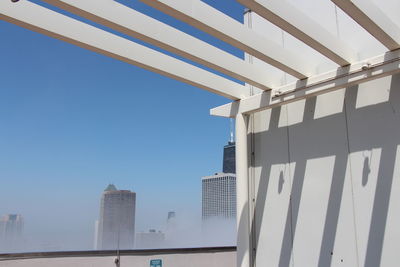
x,y
350,68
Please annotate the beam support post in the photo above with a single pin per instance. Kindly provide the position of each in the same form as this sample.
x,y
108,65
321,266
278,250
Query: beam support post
x,y
242,192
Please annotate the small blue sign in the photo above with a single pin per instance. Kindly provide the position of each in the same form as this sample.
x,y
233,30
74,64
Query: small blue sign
x,y
155,263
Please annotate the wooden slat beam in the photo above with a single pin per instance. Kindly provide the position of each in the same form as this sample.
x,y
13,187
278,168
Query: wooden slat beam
x,y
216,23
51,23
372,19
131,22
292,20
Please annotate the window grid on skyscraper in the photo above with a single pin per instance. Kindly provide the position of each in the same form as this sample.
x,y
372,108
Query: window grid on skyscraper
x,y
219,196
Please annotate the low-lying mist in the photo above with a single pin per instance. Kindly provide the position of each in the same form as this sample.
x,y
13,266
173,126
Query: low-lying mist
x,y
180,232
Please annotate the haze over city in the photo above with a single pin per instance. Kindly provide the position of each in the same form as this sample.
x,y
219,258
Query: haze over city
x,y
105,164
74,121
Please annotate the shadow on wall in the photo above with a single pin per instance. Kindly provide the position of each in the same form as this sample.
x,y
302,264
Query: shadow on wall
x,y
306,235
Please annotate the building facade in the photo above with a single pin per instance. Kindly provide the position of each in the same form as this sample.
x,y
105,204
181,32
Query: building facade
x,y
116,228
219,196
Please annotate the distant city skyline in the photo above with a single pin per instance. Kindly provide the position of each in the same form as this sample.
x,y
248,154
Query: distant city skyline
x,y
11,232
74,121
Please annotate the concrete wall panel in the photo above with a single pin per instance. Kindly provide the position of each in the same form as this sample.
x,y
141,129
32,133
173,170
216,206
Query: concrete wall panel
x,y
326,170
337,166
391,239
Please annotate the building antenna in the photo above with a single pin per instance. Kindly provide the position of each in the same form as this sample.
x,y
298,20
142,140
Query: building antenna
x,y
231,131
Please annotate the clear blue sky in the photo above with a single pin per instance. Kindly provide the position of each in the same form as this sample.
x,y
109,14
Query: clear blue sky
x,y
72,121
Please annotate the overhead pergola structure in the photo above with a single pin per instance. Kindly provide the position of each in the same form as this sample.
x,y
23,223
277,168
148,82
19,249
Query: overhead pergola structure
x,y
350,69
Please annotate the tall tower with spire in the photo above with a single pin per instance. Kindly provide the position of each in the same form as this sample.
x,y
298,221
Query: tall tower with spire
x,y
229,160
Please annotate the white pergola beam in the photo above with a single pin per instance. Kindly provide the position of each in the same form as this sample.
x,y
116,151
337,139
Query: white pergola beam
x,y
216,23
292,20
133,23
384,65
372,19
48,22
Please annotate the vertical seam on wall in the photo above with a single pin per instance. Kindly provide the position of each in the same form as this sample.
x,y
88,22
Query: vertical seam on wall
x,y
290,182
351,180
251,180
289,160
349,153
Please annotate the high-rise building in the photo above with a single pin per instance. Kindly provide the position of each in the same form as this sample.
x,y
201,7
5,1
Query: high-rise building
x,y
150,239
229,159
96,234
11,228
219,190
116,228
171,233
229,164
171,215
219,196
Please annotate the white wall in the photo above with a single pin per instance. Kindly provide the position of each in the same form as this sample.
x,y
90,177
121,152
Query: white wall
x,y
326,170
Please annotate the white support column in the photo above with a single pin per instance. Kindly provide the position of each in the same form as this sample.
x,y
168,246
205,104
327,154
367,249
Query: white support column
x,y
242,192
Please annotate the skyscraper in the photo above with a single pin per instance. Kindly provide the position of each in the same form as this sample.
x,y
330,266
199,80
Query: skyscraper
x,y
171,231
11,228
171,215
229,159
219,190
219,196
229,164
150,239
117,219
96,234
